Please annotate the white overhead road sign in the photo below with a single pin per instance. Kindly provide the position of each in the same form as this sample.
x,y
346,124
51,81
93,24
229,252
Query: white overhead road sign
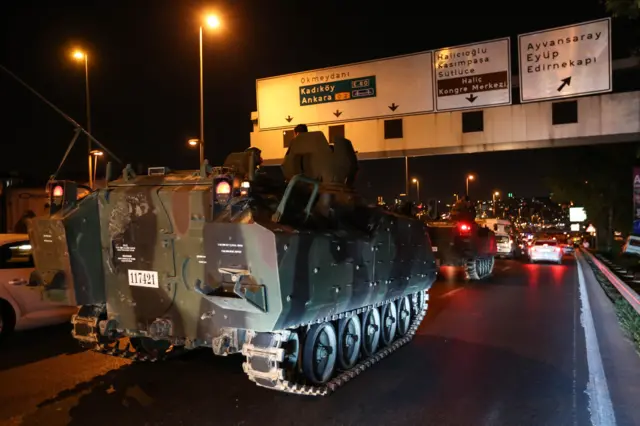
x,y
473,76
366,90
568,61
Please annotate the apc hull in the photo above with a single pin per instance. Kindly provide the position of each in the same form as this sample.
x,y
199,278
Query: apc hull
x,y
231,286
227,259
474,250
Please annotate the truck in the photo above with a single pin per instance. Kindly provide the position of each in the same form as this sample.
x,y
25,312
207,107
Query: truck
x,y
506,247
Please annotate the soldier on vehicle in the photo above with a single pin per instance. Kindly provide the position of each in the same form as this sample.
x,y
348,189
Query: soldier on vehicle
x,y
463,209
300,128
22,226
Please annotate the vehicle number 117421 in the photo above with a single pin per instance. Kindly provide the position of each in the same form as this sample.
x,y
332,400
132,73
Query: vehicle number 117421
x,y
143,278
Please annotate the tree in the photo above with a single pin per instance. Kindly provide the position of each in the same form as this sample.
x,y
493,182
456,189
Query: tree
x,y
623,8
599,179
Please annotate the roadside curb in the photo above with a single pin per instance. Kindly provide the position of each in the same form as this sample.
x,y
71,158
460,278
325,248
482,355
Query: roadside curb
x,y
624,299
617,353
600,403
611,271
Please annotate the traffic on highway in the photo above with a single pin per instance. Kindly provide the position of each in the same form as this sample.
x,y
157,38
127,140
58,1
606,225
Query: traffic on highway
x,y
263,285
492,340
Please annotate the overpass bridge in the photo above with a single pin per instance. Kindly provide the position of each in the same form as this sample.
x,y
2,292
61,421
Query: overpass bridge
x,y
460,100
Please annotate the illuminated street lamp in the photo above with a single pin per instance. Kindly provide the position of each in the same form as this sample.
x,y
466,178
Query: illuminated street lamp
x,y
417,182
212,21
193,142
95,154
496,194
80,55
469,177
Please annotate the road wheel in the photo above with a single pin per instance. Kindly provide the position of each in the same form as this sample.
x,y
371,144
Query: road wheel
x,y
371,330
404,316
349,341
7,319
155,349
320,353
389,323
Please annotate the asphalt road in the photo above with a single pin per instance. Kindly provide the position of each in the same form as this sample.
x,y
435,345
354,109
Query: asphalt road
x,y
508,351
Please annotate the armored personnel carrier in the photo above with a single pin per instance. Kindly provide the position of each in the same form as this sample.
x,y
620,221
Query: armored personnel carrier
x,y
302,277
462,242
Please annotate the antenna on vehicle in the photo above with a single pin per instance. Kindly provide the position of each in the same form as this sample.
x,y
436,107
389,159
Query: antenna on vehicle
x,y
78,128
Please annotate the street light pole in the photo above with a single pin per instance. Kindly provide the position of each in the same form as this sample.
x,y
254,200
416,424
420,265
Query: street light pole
x,y
469,177
80,55
406,175
95,154
88,102
213,22
201,104
417,182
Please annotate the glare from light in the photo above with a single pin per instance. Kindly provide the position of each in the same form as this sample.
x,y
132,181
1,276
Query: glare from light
x,y
497,193
25,247
414,180
79,54
194,142
213,21
97,153
246,184
470,177
223,188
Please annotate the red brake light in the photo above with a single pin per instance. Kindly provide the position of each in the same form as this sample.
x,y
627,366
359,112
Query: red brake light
x,y
223,188
58,191
464,227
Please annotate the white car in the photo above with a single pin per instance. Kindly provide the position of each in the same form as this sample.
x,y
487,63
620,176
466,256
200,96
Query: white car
x,y
505,245
546,251
22,305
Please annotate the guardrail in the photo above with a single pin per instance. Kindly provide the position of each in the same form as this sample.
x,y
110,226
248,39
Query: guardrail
x,y
627,292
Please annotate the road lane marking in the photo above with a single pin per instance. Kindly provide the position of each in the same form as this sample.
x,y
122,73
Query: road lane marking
x,y
451,292
574,383
600,405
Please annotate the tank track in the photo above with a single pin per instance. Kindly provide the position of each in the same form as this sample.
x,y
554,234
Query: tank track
x,y
271,358
138,354
86,329
479,268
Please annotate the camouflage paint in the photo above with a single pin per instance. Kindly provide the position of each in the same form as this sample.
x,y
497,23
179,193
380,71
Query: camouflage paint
x,y
454,248
227,265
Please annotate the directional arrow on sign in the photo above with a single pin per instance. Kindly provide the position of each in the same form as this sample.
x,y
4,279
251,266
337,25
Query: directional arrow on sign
x,y
288,118
565,82
393,106
337,113
471,98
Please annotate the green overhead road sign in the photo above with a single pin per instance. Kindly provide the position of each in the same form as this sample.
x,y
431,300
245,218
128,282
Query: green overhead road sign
x,y
336,91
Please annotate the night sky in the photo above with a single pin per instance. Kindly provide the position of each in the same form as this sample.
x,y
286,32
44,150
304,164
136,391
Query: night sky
x,y
145,90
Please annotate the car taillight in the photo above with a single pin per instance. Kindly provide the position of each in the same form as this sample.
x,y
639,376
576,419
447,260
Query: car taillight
x,y
223,188
464,227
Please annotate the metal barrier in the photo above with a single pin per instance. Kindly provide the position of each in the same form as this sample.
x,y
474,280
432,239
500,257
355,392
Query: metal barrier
x,y
627,292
